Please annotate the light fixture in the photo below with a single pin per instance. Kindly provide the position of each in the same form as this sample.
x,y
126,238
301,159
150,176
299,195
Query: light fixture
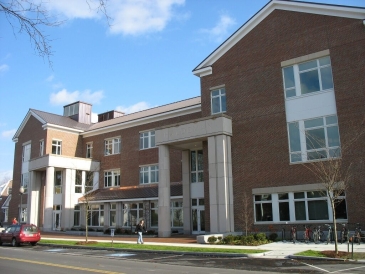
x,y
21,192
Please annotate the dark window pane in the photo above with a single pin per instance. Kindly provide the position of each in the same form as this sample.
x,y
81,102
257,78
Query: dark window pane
x,y
318,210
300,211
284,211
263,212
309,81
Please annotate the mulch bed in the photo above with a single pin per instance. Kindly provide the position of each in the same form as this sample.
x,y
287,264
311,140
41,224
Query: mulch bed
x,y
87,243
332,254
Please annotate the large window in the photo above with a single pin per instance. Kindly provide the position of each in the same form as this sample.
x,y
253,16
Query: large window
x,y
78,181
299,206
154,214
218,98
41,147
89,150
148,174
25,181
132,213
112,215
308,77
58,182
314,139
71,110
89,181
95,215
112,146
77,215
177,214
263,208
147,140
196,166
56,147
112,178
26,152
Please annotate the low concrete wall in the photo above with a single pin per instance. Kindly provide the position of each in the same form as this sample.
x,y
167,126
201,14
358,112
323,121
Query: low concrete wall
x,y
203,239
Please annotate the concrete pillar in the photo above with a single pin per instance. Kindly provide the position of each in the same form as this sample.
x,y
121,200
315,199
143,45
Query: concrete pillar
x,y
164,216
186,192
68,198
34,197
220,184
48,204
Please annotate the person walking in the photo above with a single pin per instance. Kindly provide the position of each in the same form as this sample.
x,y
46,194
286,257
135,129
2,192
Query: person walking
x,y
14,222
140,228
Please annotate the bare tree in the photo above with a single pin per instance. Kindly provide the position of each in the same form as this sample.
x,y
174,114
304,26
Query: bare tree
x,y
246,214
332,171
32,17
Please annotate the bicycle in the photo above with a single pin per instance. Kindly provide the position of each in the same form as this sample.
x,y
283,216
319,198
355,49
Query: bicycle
x,y
344,233
306,233
293,233
317,234
357,235
329,234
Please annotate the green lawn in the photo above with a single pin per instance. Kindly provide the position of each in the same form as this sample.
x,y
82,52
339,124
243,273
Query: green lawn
x,y
330,254
156,247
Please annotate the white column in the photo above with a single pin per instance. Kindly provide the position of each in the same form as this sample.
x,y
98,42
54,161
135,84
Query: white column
x,y
68,198
186,192
48,205
164,217
220,184
33,198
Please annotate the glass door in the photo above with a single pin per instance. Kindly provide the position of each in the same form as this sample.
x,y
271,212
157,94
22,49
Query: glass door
x,y
198,220
56,220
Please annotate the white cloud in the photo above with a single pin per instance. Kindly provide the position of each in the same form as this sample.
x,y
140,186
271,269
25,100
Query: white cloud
x,y
134,108
65,97
4,68
221,30
128,17
8,133
50,78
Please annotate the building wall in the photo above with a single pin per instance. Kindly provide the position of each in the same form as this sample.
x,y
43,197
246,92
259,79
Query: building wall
x,y
252,75
131,157
71,142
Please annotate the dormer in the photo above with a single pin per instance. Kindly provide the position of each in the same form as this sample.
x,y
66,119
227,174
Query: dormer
x,y
78,111
109,115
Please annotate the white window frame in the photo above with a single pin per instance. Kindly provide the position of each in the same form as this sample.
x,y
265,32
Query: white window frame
x,y
112,146
77,215
148,174
95,213
112,178
195,172
218,95
41,147
89,150
293,88
132,213
154,210
25,181
113,215
298,129
58,186
57,146
78,181
275,201
176,208
147,140
26,152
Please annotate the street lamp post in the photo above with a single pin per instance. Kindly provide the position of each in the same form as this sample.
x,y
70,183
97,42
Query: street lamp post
x,y
21,192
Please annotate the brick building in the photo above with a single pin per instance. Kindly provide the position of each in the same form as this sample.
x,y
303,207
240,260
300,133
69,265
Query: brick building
x,y
281,96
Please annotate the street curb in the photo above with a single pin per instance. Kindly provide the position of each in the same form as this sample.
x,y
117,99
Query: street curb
x,y
324,259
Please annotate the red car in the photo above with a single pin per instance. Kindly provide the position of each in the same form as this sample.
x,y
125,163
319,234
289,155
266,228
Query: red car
x,y
19,234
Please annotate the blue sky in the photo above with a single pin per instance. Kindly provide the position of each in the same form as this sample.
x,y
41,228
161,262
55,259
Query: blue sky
x,y
144,59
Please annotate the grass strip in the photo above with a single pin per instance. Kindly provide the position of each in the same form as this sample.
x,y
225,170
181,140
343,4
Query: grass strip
x,y
156,247
331,254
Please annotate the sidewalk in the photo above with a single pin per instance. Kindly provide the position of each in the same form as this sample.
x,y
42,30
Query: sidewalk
x,y
276,250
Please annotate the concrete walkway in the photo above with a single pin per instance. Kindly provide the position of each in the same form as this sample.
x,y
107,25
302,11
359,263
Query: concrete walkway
x,y
276,250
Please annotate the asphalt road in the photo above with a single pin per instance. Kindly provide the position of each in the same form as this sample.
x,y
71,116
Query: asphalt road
x,y
45,259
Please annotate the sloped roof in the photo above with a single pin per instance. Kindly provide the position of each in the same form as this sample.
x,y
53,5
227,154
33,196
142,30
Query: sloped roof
x,y
54,120
134,192
204,68
63,121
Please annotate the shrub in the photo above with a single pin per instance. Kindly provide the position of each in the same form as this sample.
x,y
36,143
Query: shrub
x,y
261,237
273,237
107,231
229,239
212,239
